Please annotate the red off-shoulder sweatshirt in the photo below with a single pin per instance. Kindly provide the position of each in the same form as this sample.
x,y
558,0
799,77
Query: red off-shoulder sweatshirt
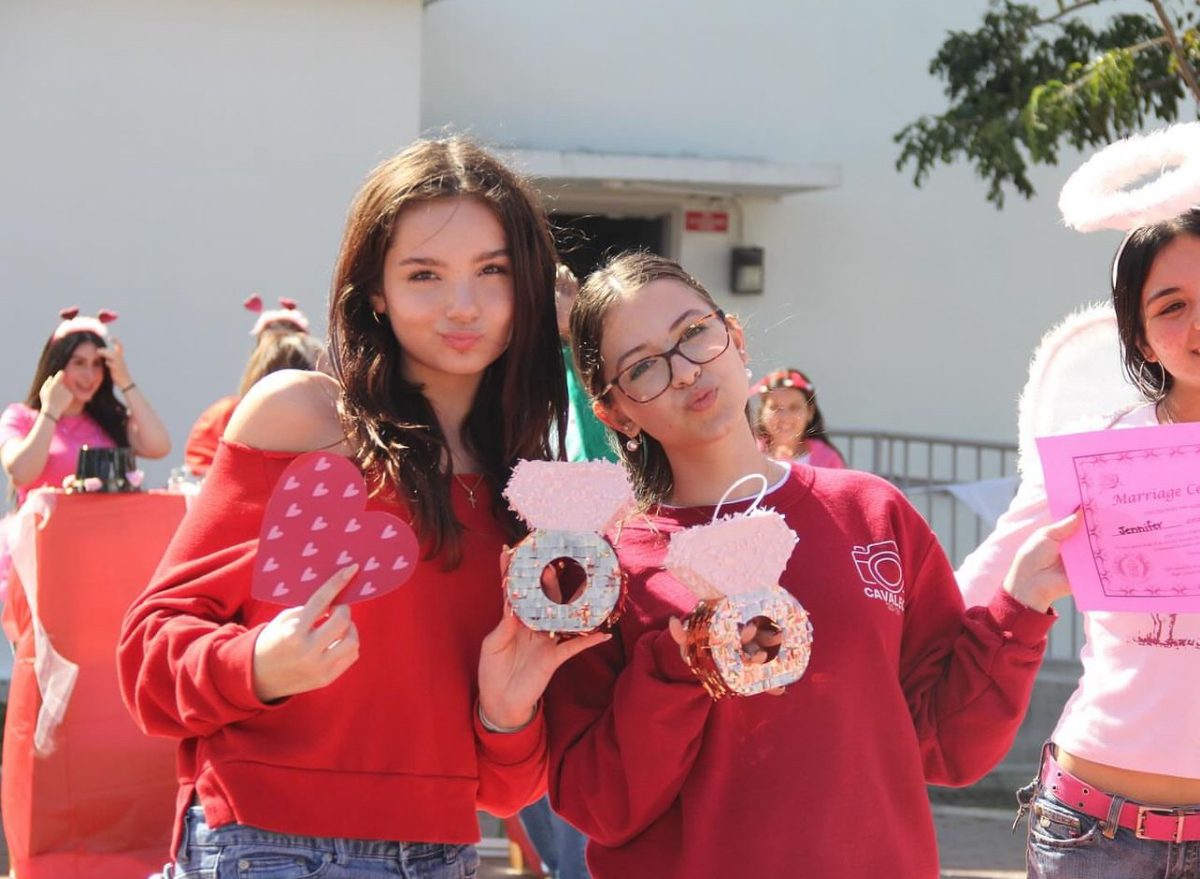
x,y
391,750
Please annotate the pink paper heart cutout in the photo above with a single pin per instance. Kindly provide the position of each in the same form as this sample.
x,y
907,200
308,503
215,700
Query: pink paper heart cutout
x,y
313,541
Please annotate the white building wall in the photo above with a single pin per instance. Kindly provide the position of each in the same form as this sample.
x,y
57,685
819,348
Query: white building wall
x,y
165,158
914,310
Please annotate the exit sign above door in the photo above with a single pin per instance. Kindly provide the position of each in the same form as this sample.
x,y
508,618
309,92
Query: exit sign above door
x,y
706,221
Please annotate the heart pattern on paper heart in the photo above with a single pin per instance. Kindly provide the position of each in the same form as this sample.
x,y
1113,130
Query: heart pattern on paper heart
x,y
317,524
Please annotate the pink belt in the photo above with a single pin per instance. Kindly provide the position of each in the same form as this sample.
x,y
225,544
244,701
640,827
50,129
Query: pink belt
x,y
1146,822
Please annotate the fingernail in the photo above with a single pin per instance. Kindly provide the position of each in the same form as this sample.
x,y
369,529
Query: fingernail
x,y
350,571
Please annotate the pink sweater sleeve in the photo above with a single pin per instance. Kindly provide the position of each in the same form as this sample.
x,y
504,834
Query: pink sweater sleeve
x,y
16,422
984,570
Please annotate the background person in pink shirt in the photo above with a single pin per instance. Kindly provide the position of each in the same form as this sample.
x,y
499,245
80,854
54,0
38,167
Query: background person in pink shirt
x,y
71,404
789,422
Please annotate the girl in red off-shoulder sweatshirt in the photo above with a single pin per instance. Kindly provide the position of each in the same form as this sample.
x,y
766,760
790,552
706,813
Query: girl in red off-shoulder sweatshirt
x,y
356,742
826,780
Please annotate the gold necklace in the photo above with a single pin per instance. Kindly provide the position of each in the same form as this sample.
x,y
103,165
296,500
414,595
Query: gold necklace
x,y
468,489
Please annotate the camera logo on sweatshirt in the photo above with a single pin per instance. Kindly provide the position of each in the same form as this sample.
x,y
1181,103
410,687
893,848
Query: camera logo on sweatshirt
x,y
878,566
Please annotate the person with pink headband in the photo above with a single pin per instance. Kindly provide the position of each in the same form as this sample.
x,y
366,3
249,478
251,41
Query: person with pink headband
x,y
789,423
71,403
282,341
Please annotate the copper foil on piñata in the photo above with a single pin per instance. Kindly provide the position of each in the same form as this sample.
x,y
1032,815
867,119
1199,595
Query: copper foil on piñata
x,y
597,603
714,644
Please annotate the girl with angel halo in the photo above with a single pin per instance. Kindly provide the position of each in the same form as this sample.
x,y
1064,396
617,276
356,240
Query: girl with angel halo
x,y
1118,788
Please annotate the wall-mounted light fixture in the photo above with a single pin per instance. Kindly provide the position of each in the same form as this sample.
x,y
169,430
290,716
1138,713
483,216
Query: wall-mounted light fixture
x,y
746,270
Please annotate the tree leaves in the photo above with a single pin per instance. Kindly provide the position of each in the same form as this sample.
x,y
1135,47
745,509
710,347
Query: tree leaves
x,y
1023,85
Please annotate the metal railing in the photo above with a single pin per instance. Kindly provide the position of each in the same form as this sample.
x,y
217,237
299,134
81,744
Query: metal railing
x,y
935,473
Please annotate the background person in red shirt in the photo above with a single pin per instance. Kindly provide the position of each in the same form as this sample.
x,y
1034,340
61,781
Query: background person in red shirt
x,y
904,687
282,341
314,737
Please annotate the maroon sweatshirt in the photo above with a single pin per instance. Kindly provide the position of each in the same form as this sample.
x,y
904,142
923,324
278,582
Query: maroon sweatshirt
x,y
827,781
390,750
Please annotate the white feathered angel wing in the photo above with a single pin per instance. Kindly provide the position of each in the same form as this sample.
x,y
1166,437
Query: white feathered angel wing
x,y
1075,378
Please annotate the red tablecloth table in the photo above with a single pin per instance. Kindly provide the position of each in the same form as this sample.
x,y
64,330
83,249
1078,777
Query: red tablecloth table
x,y
98,800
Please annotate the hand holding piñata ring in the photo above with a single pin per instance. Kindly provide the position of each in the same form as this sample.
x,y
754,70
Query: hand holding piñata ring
x,y
733,565
568,506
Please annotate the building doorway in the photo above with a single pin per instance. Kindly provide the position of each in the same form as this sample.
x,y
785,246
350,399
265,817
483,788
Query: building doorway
x,y
585,241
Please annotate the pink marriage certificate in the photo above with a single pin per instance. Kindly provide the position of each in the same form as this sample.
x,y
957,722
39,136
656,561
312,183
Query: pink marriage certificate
x,y
1138,548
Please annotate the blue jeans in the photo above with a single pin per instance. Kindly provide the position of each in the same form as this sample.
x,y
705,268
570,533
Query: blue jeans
x,y
235,851
1065,843
559,845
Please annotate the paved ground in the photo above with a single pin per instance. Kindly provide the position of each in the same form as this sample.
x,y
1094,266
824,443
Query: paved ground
x,y
974,844
978,844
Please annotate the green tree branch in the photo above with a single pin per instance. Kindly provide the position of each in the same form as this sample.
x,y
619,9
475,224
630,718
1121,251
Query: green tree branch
x,y
1023,85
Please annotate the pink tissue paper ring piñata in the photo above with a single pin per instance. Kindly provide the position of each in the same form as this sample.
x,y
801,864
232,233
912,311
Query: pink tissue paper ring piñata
x,y
568,506
733,565
714,645
1095,196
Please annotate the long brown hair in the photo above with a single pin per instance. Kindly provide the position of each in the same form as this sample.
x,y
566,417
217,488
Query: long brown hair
x,y
522,394
281,348
1133,263
649,468
103,407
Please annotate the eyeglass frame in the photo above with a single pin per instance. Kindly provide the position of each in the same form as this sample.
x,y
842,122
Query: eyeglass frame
x,y
668,355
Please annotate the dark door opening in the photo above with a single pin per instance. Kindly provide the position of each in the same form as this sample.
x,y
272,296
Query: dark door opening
x,y
586,240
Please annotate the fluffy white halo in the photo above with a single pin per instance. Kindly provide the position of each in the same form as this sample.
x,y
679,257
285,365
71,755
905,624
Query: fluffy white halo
x,y
1094,197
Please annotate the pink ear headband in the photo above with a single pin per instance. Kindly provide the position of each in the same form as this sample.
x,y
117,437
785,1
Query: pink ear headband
x,y
286,313
73,322
783,378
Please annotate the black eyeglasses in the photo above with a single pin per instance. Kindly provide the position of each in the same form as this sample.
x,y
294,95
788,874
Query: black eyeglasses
x,y
701,341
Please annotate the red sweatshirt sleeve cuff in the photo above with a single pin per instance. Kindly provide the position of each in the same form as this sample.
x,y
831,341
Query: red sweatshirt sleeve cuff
x,y
510,749
1018,622
669,661
232,669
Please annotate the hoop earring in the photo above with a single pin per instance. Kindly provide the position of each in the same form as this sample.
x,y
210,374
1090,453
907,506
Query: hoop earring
x,y
1149,382
376,314
633,443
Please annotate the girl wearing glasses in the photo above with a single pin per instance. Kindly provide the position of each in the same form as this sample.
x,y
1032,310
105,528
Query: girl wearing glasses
x,y
903,688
